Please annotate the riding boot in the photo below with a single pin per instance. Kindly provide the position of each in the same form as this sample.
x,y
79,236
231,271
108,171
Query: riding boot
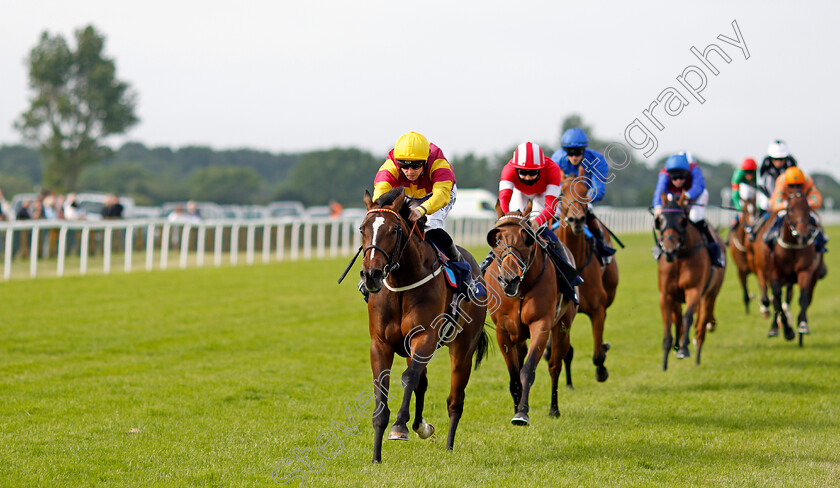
x,y
751,232
604,251
714,248
820,241
570,275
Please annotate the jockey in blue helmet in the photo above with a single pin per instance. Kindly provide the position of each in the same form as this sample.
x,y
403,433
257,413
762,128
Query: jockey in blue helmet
x,y
682,174
575,160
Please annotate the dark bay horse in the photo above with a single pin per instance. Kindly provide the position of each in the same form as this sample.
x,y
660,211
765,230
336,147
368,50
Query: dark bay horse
x,y
527,303
597,291
793,260
686,275
740,248
410,312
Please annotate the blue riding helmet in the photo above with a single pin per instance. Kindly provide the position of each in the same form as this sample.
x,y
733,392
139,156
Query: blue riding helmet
x,y
676,162
574,138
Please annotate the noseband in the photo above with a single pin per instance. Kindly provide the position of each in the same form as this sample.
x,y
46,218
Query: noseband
x,y
396,253
522,264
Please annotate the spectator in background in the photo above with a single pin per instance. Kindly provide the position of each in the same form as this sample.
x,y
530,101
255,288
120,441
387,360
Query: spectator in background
x,y
335,209
3,207
112,209
192,211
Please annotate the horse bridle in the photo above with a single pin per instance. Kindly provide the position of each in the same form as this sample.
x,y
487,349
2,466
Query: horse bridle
x,y
515,253
791,224
680,237
395,254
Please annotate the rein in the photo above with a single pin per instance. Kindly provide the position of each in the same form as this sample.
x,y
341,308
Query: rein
x,y
394,258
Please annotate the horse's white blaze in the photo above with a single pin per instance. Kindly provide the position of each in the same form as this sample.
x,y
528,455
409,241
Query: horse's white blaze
x,y
377,223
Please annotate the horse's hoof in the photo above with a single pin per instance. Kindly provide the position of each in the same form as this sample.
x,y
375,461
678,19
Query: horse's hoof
x,y
601,374
773,332
683,353
765,311
711,326
520,419
803,328
605,346
398,434
425,430
789,334
554,413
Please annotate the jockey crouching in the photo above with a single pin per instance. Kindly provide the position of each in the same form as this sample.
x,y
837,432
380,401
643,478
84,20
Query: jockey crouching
x,y
794,181
421,169
682,174
530,176
574,159
773,166
743,189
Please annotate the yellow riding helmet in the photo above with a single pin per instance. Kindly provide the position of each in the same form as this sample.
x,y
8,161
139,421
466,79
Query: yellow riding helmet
x,y
794,176
411,146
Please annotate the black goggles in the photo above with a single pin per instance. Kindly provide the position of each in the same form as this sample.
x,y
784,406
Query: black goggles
x,y
528,173
575,151
677,175
411,164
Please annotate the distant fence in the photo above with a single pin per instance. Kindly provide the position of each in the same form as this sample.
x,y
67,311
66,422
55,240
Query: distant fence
x,y
58,248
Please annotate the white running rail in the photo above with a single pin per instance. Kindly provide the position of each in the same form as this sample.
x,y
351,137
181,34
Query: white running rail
x,y
58,248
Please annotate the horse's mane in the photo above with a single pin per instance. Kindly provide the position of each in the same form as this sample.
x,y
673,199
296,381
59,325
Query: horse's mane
x,y
404,211
577,180
388,198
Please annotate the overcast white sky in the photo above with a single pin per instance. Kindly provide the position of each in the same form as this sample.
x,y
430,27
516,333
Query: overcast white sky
x,y
477,76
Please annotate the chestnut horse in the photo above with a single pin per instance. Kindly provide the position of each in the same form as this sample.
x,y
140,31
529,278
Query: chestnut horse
x,y
793,260
740,248
527,304
686,275
413,317
597,291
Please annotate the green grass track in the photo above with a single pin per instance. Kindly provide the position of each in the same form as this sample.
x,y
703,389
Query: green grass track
x,y
248,376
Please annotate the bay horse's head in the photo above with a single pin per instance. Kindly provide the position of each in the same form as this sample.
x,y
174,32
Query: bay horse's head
x,y
384,236
801,225
514,242
672,224
573,201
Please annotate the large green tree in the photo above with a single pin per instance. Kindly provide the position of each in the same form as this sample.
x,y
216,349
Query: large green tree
x,y
77,103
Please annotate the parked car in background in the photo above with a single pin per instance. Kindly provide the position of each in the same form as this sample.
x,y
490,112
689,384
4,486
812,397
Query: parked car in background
x,y
475,203
285,209
205,210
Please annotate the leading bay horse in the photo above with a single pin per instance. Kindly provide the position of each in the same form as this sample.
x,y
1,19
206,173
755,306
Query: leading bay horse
x,y
740,248
411,313
597,291
527,303
686,275
793,260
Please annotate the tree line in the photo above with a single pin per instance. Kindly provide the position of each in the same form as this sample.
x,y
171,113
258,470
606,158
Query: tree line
x,y
78,102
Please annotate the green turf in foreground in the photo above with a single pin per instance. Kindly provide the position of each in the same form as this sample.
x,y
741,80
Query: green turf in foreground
x,y
211,377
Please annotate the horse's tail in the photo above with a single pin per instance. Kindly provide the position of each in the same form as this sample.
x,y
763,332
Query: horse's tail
x,y
482,347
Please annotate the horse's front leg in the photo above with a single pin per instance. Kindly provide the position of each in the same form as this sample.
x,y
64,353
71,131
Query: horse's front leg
x,y
599,356
381,359
510,352
540,330
806,282
779,316
692,302
422,349
665,307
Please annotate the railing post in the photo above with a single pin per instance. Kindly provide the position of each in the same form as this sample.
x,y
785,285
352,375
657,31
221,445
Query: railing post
x,y
217,246
266,249
83,252
185,245
249,243
62,250
129,247
7,262
200,237
150,247
106,250
164,245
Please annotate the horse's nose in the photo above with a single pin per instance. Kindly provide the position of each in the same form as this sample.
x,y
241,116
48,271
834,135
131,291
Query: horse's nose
x,y
372,279
570,219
